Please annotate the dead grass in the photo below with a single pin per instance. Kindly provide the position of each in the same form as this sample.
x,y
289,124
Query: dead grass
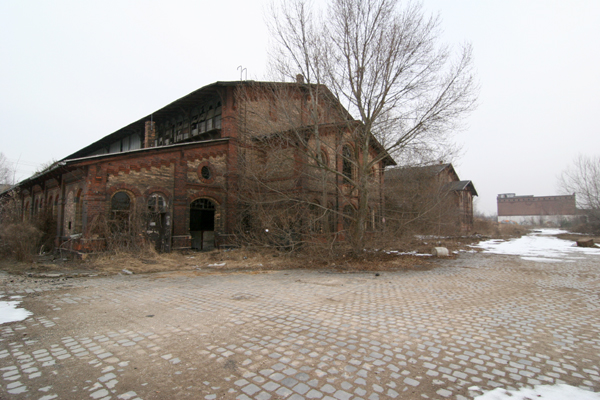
x,y
575,237
216,261
257,260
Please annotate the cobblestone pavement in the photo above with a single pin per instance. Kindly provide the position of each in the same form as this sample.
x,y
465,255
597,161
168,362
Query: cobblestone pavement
x,y
480,320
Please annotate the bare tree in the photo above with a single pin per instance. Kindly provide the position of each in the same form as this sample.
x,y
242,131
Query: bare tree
x,y
6,171
582,178
384,64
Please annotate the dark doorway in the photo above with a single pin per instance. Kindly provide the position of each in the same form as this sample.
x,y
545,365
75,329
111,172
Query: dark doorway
x,y
202,224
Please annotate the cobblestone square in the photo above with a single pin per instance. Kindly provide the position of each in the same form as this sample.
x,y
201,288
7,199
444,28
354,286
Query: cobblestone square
x,y
479,320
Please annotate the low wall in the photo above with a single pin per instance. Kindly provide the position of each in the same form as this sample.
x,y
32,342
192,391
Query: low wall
x,y
547,220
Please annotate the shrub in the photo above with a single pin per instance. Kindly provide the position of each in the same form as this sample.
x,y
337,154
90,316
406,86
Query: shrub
x,y
19,240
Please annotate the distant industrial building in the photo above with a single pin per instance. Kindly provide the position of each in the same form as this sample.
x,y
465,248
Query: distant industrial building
x,y
532,210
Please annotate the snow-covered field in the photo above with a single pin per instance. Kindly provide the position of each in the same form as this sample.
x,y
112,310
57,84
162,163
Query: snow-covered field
x,y
540,245
10,312
542,392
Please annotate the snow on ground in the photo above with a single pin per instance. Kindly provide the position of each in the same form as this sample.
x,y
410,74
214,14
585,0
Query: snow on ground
x,y
541,392
539,246
9,311
409,253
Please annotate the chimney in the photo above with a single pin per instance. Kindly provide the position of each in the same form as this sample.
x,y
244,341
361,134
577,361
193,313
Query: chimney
x,y
300,78
150,134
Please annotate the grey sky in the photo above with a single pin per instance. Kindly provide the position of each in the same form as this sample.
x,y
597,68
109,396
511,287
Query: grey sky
x,y
72,72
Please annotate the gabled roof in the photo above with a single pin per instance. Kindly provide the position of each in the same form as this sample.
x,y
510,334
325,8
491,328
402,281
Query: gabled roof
x,y
438,168
459,186
431,170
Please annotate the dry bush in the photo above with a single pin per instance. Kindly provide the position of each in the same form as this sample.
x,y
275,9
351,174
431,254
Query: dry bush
x,y
512,230
46,225
124,237
587,227
19,240
486,227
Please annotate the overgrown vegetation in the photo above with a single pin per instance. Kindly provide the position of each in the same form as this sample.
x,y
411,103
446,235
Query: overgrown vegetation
x,y
18,239
582,178
405,91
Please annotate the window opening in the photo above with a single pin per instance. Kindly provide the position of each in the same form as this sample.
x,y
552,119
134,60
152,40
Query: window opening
x,y
157,203
120,207
347,164
205,173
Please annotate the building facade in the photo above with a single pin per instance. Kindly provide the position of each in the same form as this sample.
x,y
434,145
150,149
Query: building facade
x,y
432,195
180,174
536,210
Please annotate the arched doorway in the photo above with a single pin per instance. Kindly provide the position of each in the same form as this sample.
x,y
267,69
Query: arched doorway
x,y
202,224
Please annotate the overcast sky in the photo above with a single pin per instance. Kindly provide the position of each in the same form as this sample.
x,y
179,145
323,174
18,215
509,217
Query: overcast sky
x,y
74,71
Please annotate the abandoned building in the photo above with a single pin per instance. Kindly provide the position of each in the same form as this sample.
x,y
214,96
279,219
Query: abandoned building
x,y
536,210
434,195
185,172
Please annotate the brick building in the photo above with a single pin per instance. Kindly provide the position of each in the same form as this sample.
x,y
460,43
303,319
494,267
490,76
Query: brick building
x,y
178,170
532,210
434,193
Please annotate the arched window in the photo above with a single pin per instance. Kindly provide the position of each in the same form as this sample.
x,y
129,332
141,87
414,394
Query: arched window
x,y
157,203
347,166
324,159
202,204
120,209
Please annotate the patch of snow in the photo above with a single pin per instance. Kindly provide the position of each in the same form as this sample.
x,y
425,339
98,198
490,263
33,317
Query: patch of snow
x,y
10,313
539,245
407,253
541,392
218,264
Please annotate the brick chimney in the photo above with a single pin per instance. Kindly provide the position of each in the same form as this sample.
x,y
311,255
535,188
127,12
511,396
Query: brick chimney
x,y
300,78
150,134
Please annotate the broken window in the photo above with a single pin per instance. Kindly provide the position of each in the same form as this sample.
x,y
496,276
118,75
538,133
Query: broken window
x,y
120,209
157,203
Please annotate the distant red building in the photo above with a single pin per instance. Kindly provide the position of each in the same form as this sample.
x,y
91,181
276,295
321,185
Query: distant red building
x,y
532,210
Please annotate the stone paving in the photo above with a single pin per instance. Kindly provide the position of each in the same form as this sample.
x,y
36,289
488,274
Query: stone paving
x,y
480,320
